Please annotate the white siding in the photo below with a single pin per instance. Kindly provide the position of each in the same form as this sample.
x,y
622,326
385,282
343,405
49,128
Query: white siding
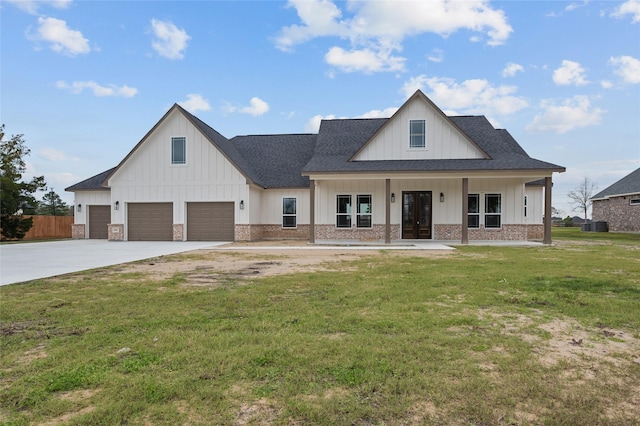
x,y
447,212
149,176
443,140
271,206
535,204
89,198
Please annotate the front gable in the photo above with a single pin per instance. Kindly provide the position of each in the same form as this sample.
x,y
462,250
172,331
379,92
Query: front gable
x,y
151,162
442,140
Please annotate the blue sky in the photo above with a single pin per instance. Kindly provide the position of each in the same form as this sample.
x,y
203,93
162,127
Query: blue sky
x,y
85,80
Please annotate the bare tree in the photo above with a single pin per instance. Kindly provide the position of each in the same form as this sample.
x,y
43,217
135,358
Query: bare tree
x,y
581,195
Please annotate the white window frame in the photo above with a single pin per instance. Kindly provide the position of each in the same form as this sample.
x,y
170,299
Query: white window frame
x,y
286,214
423,135
634,201
364,214
497,214
184,150
473,213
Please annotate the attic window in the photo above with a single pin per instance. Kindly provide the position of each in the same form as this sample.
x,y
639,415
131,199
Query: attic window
x,y
417,137
179,150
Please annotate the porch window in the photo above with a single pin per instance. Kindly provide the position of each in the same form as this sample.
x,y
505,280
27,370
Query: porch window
x,y
289,212
179,150
473,217
363,219
343,211
492,211
525,205
417,137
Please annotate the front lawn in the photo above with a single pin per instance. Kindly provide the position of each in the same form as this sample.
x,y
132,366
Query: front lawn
x,y
484,335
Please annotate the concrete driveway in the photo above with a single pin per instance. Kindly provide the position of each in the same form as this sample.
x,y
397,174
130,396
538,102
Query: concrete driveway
x,y
30,261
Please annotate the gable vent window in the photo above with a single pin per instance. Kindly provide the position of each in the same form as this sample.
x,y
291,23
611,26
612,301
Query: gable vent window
x,y
179,150
417,138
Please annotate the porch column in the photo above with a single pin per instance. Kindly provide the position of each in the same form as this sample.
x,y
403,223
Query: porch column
x,y
387,221
312,211
547,210
465,211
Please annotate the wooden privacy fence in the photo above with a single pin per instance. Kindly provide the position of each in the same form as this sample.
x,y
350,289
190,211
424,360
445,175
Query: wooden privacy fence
x,y
50,227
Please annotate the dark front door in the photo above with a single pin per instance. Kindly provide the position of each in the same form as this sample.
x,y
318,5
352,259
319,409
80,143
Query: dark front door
x,y
416,215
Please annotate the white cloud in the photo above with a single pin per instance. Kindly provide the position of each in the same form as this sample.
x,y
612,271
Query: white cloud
x,y
606,84
195,102
511,69
574,6
112,90
365,60
376,113
476,96
573,113
627,67
630,7
256,107
170,41
32,6
52,154
61,38
569,73
436,56
376,29
313,125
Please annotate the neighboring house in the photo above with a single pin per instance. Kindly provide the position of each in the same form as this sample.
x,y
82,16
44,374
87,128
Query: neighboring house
x,y
619,204
416,175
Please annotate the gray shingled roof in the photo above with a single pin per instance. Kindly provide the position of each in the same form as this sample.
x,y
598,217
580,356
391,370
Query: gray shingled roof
x,y
285,161
277,159
339,140
630,184
93,183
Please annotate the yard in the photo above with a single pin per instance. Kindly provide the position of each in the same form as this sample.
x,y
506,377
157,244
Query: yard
x,y
480,335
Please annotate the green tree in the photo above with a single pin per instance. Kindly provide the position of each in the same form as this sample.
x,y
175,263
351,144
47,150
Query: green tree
x,y
52,205
16,196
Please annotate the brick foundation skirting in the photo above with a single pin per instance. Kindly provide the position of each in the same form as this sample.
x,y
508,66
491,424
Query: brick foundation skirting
x,y
375,233
77,231
270,232
116,231
506,233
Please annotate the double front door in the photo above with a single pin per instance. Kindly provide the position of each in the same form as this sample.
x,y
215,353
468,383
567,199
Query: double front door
x,y
416,215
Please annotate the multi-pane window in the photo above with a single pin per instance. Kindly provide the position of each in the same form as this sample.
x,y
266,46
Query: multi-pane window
x,y
343,211
526,200
473,220
363,213
179,150
417,138
289,212
492,211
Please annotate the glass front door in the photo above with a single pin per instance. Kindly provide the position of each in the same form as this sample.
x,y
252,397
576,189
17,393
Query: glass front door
x,y
416,215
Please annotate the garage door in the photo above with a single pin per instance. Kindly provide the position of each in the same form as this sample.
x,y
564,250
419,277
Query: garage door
x,y
210,222
99,218
150,222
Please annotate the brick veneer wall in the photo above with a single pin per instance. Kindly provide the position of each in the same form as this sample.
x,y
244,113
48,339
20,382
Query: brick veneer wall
x,y
116,231
507,232
618,213
178,232
270,232
375,233
77,231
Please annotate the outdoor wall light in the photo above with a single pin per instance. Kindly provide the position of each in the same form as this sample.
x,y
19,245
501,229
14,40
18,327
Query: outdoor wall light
x,y
116,205
79,207
241,204
442,197
393,197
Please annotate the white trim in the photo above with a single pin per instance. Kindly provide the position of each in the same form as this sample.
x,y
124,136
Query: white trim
x,y
283,214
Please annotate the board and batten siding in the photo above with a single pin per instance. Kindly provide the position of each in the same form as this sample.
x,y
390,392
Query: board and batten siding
x,y
271,206
86,199
149,176
447,212
443,139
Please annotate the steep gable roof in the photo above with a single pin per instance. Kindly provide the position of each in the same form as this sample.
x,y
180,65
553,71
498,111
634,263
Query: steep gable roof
x,y
630,184
93,183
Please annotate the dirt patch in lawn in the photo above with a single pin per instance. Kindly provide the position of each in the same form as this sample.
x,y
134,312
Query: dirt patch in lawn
x,y
234,263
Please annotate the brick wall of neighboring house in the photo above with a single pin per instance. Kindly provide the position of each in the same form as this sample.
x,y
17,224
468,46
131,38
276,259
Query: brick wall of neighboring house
x,y
618,213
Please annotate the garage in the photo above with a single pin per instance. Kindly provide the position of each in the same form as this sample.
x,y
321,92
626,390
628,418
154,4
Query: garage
x,y
99,219
210,221
150,221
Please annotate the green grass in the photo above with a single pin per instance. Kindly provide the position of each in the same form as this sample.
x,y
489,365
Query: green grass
x,y
458,339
